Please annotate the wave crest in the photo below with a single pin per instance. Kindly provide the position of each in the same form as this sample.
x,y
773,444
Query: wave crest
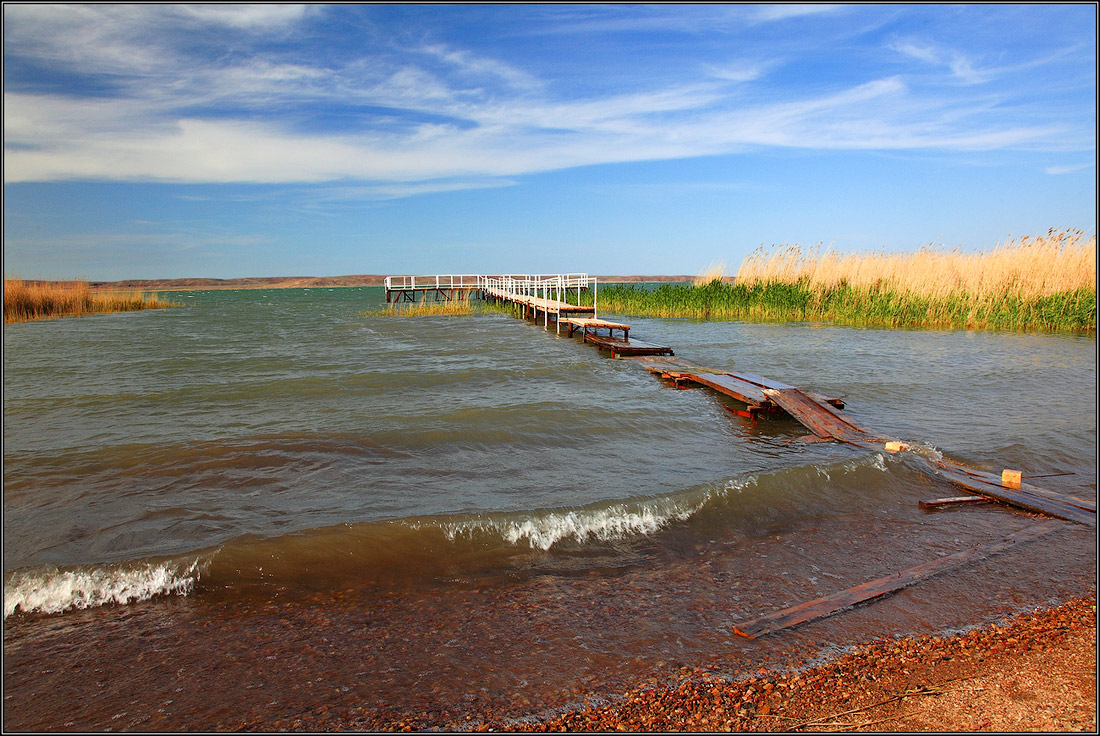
x,y
605,523
51,590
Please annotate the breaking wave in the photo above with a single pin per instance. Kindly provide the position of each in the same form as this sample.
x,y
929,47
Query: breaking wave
x,y
50,590
453,546
605,523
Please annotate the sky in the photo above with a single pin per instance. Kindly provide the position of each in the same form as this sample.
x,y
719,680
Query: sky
x,y
173,141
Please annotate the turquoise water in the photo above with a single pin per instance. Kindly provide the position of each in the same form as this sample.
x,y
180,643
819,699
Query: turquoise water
x,y
477,498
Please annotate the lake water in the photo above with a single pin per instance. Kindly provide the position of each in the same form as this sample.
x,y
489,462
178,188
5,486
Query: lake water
x,y
265,506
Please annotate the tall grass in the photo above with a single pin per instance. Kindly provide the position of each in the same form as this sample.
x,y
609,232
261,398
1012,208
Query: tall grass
x,y
1025,268
461,305
1031,283
716,270
31,300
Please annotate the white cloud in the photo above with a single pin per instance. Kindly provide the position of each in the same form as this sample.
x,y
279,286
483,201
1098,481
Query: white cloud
x,y
739,71
260,17
420,118
783,11
1055,170
471,65
959,64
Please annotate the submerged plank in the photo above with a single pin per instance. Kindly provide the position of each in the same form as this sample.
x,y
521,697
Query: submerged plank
x,y
1021,497
995,481
936,503
835,602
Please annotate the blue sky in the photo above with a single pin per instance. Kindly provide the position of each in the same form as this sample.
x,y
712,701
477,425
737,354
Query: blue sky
x,y
163,141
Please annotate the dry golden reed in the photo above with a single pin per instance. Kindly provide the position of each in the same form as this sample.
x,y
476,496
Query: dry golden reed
x,y
25,301
1043,283
716,270
1024,268
460,305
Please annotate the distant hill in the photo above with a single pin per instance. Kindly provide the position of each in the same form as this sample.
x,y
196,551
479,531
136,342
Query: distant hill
x,y
297,282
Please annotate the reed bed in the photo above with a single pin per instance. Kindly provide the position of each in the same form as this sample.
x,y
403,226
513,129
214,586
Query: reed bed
x,y
25,301
716,270
1032,283
459,306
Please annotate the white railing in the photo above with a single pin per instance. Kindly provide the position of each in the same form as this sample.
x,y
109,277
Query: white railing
x,y
517,287
550,289
445,281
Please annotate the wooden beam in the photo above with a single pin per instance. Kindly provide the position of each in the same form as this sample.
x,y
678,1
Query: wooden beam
x,y
822,419
831,604
936,503
1022,497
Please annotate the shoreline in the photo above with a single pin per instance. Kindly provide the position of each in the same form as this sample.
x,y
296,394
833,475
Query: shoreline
x,y
1034,671
1037,672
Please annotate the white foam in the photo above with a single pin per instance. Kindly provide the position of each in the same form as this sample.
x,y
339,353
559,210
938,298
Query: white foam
x,y
53,591
618,521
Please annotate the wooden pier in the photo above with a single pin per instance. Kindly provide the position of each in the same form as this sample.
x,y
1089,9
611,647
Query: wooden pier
x,y
535,296
544,297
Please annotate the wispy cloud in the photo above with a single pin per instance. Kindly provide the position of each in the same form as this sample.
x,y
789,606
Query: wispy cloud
x,y
426,117
1055,170
783,11
253,17
961,66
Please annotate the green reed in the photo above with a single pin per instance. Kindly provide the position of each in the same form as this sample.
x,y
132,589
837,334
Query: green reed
x,y
843,304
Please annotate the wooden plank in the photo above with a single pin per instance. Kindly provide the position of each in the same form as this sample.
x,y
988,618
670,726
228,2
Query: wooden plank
x,y
1018,497
595,323
732,386
995,480
936,503
830,604
625,347
821,419
760,380
661,364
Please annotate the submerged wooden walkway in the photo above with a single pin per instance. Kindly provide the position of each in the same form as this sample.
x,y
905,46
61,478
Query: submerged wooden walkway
x,y
820,415
544,297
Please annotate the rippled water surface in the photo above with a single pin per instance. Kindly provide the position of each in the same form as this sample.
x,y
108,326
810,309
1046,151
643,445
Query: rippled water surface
x,y
336,516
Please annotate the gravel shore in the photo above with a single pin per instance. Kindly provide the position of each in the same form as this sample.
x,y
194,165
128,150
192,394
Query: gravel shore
x,y
1034,673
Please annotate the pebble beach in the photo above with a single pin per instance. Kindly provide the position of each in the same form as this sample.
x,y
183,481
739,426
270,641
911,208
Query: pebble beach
x,y
1034,673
